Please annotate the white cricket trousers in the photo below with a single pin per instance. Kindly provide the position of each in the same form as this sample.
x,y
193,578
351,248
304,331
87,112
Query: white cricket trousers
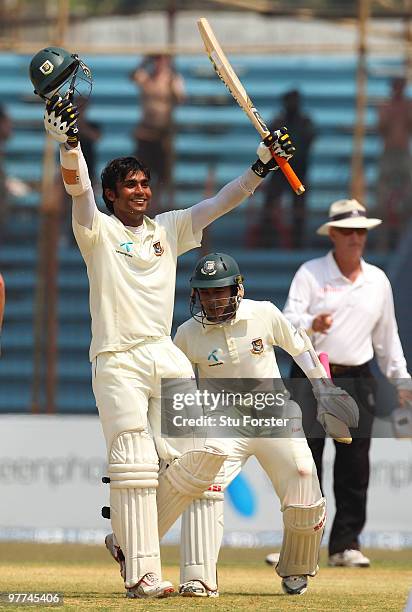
x,y
127,388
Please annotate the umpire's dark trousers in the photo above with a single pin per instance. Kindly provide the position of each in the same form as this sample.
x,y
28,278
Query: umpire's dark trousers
x,y
351,466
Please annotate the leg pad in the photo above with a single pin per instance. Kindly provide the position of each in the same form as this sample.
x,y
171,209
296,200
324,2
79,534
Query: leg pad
x,y
186,478
133,472
303,529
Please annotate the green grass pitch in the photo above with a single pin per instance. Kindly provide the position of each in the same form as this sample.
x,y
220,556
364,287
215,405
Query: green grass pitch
x,y
90,580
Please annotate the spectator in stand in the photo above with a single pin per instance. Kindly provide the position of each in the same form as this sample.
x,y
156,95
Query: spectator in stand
x,y
2,305
161,88
302,129
5,133
395,169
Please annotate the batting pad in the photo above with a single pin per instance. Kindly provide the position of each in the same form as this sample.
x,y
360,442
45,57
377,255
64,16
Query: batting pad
x,y
201,536
133,472
74,171
186,478
303,530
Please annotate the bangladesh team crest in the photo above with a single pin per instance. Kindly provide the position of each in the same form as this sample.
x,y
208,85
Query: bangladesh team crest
x,y
209,268
257,346
158,249
46,68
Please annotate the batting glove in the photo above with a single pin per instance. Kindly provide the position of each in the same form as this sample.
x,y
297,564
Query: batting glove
x,y
60,120
280,143
337,410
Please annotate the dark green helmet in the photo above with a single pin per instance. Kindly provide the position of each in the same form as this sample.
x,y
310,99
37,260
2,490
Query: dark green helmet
x,y
215,270
50,68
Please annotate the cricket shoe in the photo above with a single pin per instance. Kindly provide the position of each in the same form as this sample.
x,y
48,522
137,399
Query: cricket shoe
x,y
116,553
349,558
150,586
295,585
196,588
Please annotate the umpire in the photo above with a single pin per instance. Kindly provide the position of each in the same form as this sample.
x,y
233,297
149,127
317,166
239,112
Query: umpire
x,y
346,305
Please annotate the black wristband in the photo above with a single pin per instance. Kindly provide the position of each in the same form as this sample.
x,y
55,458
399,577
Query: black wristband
x,y
260,168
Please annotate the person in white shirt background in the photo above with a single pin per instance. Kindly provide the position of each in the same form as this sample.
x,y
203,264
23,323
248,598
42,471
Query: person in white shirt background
x,y
346,305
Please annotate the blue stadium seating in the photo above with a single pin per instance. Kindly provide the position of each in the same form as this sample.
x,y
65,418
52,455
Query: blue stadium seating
x,y
213,139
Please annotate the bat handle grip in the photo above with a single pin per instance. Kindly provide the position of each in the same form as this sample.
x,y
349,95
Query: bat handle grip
x,y
324,359
286,168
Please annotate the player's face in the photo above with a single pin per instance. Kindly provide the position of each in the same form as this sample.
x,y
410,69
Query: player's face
x,y
348,241
218,303
132,198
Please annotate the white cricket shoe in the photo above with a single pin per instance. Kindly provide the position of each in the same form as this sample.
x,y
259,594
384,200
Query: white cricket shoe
x,y
116,553
150,586
196,588
295,585
349,558
272,559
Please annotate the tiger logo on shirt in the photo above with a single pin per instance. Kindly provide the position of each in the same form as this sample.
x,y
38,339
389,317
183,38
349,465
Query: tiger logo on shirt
x,y
158,249
257,346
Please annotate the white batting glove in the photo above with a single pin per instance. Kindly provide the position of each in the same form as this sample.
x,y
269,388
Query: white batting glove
x,y
60,120
337,410
280,143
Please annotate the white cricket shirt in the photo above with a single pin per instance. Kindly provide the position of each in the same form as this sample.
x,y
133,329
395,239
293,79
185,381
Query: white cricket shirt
x,y
241,347
132,276
363,314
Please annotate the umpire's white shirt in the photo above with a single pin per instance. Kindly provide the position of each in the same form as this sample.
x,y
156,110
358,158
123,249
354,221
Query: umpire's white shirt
x,y
363,314
241,347
132,276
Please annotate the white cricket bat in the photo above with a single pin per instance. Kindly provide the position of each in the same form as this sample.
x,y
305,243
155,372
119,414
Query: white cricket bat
x,y
232,82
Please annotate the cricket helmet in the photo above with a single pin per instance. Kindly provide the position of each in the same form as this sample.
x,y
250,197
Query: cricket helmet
x,y
214,271
54,67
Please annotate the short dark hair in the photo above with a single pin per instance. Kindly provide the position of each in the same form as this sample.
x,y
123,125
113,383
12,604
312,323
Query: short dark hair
x,y
117,170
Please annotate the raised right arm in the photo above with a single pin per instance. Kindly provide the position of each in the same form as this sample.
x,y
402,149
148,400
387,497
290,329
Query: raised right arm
x,y
77,184
60,122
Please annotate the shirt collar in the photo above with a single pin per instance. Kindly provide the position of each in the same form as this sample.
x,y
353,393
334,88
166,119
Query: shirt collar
x,y
334,271
148,223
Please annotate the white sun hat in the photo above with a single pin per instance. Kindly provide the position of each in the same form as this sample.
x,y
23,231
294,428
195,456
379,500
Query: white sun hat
x,y
347,213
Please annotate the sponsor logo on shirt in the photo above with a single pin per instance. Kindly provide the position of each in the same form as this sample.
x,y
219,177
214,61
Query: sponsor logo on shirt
x,y
213,359
257,346
331,289
127,246
158,249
